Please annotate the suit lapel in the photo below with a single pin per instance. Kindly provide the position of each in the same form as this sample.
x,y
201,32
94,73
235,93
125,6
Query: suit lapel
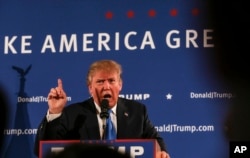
x,y
122,119
91,125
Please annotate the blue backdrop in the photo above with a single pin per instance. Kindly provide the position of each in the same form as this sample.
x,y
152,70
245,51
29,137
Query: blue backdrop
x,y
164,47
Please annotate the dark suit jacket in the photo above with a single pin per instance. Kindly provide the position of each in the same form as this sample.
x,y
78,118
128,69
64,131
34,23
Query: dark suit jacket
x,y
79,121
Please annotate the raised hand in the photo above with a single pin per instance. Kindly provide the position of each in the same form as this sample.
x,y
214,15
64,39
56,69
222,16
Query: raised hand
x,y
57,98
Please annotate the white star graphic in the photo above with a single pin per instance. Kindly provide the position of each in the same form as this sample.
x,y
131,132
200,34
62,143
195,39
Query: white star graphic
x,y
169,96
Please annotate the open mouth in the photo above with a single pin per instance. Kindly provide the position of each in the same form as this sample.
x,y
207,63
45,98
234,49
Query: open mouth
x,y
107,96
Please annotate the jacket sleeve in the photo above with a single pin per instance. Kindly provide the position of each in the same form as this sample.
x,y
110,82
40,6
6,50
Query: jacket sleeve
x,y
151,132
46,131
39,135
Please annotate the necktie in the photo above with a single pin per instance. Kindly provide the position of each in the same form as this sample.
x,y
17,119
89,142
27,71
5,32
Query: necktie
x,y
110,129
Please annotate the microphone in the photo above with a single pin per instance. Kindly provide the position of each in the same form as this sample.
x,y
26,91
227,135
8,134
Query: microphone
x,y
104,115
104,109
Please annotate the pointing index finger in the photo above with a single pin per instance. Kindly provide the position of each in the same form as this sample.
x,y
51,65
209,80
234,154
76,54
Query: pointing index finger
x,y
59,83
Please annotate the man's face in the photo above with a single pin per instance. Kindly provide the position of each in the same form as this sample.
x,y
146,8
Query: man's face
x,y
105,85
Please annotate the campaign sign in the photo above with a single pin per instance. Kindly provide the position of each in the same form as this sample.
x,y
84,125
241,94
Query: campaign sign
x,y
138,148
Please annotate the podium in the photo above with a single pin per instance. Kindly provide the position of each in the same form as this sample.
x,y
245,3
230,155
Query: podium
x,y
137,148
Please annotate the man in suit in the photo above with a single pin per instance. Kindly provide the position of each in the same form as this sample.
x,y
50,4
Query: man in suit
x,y
83,121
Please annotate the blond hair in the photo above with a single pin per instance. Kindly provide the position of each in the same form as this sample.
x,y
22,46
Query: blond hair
x,y
104,65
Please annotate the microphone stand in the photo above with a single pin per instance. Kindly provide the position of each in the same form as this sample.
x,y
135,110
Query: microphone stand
x,y
104,120
104,116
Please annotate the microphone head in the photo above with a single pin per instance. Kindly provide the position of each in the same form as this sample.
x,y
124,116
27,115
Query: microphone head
x,y
105,103
104,108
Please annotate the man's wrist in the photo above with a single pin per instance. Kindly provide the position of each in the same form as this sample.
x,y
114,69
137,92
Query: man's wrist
x,y
51,116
